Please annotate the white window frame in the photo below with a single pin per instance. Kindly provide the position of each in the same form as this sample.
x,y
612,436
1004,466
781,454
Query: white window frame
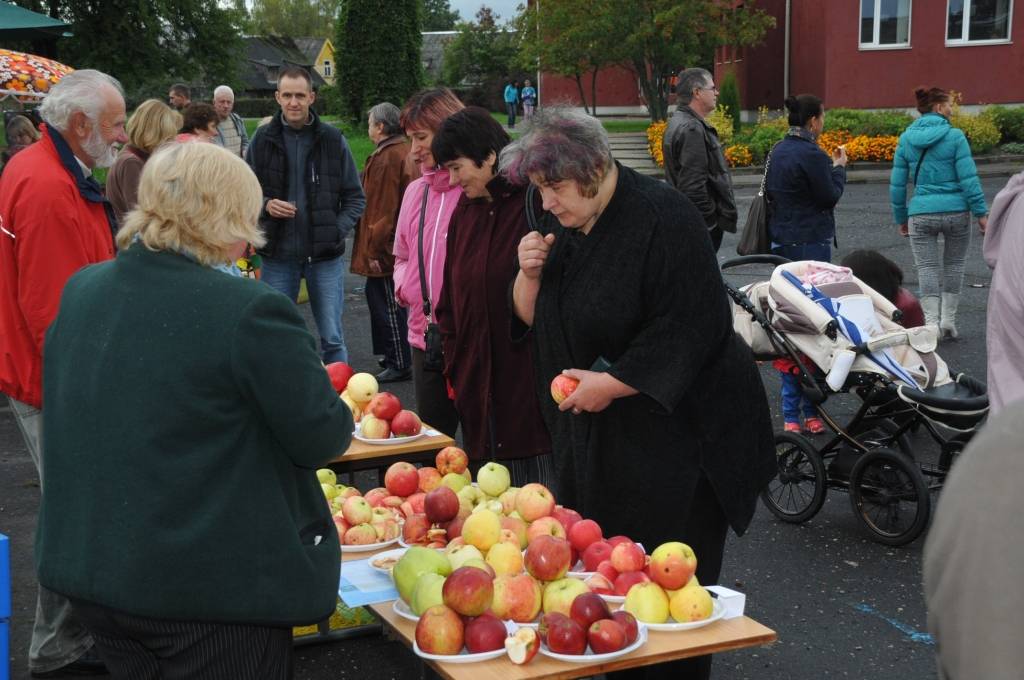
x,y
964,41
874,44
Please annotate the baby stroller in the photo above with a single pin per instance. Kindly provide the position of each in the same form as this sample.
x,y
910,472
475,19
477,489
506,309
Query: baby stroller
x,y
844,338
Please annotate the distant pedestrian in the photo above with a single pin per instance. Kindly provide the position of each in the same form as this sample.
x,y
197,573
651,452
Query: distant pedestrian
x,y
53,222
152,124
529,97
387,173
231,133
937,158
179,96
511,101
803,185
694,161
199,123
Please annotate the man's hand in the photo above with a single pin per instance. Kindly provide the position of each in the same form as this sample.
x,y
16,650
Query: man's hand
x,y
595,391
533,252
280,209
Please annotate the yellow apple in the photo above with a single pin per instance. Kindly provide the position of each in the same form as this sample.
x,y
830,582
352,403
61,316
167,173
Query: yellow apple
x,y
692,603
482,529
362,387
505,558
647,602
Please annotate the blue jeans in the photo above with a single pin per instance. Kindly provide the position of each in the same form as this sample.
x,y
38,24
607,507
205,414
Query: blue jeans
x,y
793,400
325,282
510,107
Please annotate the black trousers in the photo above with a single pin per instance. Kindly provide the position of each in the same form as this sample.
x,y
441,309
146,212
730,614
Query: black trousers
x,y
140,648
705,530
716,235
388,328
432,403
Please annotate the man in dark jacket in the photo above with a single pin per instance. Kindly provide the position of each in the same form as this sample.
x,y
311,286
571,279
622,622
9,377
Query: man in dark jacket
x,y
694,162
312,199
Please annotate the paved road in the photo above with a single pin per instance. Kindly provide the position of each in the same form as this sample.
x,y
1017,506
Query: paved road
x,y
844,607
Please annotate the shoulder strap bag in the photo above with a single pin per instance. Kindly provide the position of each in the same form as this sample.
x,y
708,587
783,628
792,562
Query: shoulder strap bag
x,y
433,355
754,239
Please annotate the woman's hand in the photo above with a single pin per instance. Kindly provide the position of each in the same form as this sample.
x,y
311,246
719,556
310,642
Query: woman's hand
x,y
375,266
983,223
533,252
904,229
839,156
595,391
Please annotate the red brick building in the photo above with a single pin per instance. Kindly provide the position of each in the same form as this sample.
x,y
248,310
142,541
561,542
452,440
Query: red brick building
x,y
873,53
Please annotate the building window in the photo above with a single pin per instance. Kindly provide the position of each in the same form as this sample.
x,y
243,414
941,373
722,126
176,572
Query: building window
x,y
974,21
884,23
327,68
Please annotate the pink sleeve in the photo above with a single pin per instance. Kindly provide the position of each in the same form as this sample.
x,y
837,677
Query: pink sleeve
x,y
404,231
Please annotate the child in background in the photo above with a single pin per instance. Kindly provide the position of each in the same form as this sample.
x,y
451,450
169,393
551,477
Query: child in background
x,y
886,277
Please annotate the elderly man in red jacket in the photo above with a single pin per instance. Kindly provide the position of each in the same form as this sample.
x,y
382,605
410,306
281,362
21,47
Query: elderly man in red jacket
x,y
54,220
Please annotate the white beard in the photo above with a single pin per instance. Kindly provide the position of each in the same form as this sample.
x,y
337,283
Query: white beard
x,y
102,154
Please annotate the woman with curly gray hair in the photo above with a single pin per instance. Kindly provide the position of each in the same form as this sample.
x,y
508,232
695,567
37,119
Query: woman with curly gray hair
x,y
622,292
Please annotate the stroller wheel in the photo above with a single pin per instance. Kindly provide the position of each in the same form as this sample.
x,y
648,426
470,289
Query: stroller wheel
x,y
889,496
797,492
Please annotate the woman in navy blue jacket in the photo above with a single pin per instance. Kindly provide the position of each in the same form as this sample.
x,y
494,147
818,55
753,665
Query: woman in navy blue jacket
x,y
803,186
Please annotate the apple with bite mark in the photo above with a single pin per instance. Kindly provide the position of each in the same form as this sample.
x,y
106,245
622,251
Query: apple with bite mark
x,y
522,645
606,636
485,633
469,591
406,424
440,631
451,459
548,558
562,387
402,479
588,608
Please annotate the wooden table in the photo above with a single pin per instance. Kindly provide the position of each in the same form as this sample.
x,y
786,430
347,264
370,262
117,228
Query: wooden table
x,y
363,456
720,636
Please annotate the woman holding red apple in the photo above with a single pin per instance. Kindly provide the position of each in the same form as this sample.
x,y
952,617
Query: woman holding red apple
x,y
622,292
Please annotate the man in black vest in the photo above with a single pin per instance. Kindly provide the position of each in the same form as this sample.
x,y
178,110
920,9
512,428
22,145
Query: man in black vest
x,y
312,199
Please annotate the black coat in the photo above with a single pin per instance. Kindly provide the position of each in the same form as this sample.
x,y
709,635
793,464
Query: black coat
x,y
643,290
803,187
695,164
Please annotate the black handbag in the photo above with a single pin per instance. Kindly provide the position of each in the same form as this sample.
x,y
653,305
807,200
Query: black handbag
x,y
754,239
433,353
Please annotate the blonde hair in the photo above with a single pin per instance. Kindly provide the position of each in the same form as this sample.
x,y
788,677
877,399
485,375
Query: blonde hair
x,y
20,125
152,124
197,198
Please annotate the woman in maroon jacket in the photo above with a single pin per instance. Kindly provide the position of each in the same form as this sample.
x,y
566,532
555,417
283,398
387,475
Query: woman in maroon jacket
x,y
491,377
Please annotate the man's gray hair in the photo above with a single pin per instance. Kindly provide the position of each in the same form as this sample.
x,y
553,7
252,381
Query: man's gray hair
x,y
223,89
689,80
81,90
389,116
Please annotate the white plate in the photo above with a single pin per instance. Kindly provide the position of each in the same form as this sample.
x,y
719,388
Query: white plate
x,y
401,542
464,657
396,553
369,547
613,599
579,571
389,440
716,613
402,609
590,657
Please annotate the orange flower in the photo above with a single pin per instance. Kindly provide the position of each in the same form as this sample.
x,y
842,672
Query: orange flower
x,y
655,134
738,155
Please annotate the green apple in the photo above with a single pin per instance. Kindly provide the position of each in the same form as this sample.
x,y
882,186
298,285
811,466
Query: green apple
x,y
455,481
427,592
326,476
462,554
330,491
558,595
416,561
494,479
472,495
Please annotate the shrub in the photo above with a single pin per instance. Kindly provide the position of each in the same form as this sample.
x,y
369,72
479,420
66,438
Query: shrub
x,y
764,138
655,133
729,99
1009,121
738,155
722,121
981,130
255,108
1013,147
869,123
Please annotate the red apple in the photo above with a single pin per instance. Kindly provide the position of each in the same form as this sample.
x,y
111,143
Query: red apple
x,y
522,645
606,636
441,504
384,405
454,528
356,510
564,636
596,553
406,424
615,540
451,459
360,534
341,525
534,501
485,633
588,608
417,501
401,479
672,565
468,591
583,534
627,580
628,556
516,597
440,631
629,625
415,529
566,517
608,571
562,386
548,558
600,585
339,372
545,526
375,497
430,478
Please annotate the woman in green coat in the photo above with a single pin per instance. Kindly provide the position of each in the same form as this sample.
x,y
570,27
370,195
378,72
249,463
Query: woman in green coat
x,y
937,157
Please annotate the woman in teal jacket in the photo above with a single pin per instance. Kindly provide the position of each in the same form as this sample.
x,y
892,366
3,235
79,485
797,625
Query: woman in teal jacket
x,y
946,193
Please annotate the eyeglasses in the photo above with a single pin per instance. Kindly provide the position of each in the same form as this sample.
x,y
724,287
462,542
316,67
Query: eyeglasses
x,y
713,88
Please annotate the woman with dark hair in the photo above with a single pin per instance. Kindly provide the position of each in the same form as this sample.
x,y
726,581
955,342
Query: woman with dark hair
x,y
428,204
491,376
946,192
803,186
886,277
199,123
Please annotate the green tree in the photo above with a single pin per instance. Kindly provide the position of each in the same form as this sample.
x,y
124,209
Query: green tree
x,y
147,45
729,97
378,54
481,57
438,15
666,35
570,38
294,18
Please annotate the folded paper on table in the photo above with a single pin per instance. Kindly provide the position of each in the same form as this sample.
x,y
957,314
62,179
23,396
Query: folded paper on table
x,y
734,602
360,584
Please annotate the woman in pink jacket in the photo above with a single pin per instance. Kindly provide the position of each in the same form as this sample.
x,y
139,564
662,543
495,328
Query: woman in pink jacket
x,y
421,118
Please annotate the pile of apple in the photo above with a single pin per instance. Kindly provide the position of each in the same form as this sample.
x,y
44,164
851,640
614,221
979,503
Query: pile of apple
x,y
379,414
357,521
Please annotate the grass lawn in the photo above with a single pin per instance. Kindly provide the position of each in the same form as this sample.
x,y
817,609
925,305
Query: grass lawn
x,y
612,125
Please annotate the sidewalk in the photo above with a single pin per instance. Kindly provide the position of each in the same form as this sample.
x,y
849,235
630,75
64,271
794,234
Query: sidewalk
x,y
630,148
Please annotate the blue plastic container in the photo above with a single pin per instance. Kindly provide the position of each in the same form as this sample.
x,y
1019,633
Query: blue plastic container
x,y
5,608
